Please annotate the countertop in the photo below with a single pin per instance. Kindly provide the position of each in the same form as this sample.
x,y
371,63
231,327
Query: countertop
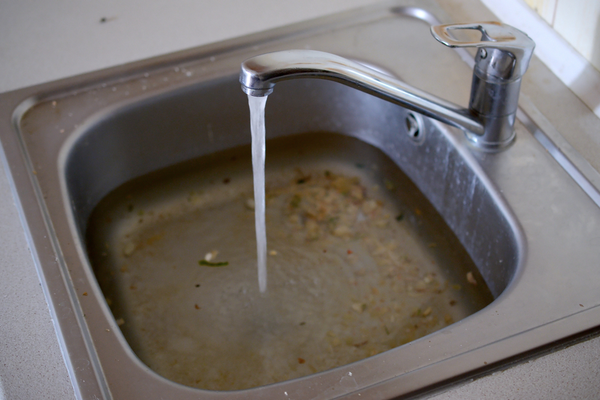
x,y
45,41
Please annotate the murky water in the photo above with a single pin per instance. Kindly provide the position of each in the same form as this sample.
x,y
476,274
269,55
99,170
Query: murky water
x,y
359,263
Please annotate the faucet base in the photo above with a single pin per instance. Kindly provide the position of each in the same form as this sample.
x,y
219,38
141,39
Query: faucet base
x,y
499,133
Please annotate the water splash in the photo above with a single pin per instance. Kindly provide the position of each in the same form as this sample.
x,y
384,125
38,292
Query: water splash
x,y
257,127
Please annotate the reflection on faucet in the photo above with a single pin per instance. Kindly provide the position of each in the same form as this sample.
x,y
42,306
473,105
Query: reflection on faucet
x,y
502,59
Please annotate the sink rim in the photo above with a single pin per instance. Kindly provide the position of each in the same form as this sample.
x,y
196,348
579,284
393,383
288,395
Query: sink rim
x,y
33,214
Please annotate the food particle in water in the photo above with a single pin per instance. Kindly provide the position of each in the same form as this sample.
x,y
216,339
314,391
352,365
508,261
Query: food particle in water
x,y
250,205
205,263
471,278
128,249
358,307
273,252
211,255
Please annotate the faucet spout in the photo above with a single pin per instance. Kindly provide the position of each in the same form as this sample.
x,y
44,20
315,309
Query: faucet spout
x,y
259,74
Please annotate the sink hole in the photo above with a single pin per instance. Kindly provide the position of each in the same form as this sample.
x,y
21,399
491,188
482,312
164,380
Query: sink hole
x,y
360,262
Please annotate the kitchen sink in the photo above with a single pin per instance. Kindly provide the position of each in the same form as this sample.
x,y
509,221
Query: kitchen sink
x,y
118,173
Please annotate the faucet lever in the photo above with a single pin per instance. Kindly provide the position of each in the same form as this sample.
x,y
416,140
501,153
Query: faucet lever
x,y
502,58
504,51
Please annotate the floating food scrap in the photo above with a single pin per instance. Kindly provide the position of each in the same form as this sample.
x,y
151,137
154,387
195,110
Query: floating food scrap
x,y
205,263
211,255
471,278
249,203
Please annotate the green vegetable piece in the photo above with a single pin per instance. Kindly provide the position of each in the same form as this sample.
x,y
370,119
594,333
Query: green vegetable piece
x,y
295,202
205,263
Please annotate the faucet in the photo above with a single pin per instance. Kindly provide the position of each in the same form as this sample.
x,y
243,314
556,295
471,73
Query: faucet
x,y
503,54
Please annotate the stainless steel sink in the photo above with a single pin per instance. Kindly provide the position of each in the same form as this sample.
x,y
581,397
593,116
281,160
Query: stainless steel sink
x,y
527,226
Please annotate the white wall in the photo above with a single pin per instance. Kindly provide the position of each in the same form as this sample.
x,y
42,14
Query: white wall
x,y
578,21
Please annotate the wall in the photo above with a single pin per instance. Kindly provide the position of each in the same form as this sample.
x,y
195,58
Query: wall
x,y
578,21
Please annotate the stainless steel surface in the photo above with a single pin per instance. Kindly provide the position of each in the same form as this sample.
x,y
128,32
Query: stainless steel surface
x,y
502,59
528,226
259,75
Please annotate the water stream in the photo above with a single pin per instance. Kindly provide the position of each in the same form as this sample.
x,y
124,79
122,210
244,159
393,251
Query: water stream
x,y
257,126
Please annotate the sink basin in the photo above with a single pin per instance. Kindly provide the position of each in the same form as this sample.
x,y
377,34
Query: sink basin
x,y
131,150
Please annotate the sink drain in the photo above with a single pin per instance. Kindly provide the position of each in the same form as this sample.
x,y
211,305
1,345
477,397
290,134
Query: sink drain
x,y
414,127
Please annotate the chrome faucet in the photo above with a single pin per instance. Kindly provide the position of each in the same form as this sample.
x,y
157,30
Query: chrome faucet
x,y
502,58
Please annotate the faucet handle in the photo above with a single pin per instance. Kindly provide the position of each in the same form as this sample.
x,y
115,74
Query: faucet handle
x,y
504,51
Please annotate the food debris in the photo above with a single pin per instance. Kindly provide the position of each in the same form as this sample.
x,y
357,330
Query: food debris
x,y
339,219
211,255
104,20
471,278
128,249
359,307
205,263
389,185
249,203
120,321
85,293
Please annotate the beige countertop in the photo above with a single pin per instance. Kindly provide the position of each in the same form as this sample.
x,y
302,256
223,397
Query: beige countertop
x,y
45,41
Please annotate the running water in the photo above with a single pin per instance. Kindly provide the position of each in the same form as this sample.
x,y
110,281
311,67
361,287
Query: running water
x,y
257,127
